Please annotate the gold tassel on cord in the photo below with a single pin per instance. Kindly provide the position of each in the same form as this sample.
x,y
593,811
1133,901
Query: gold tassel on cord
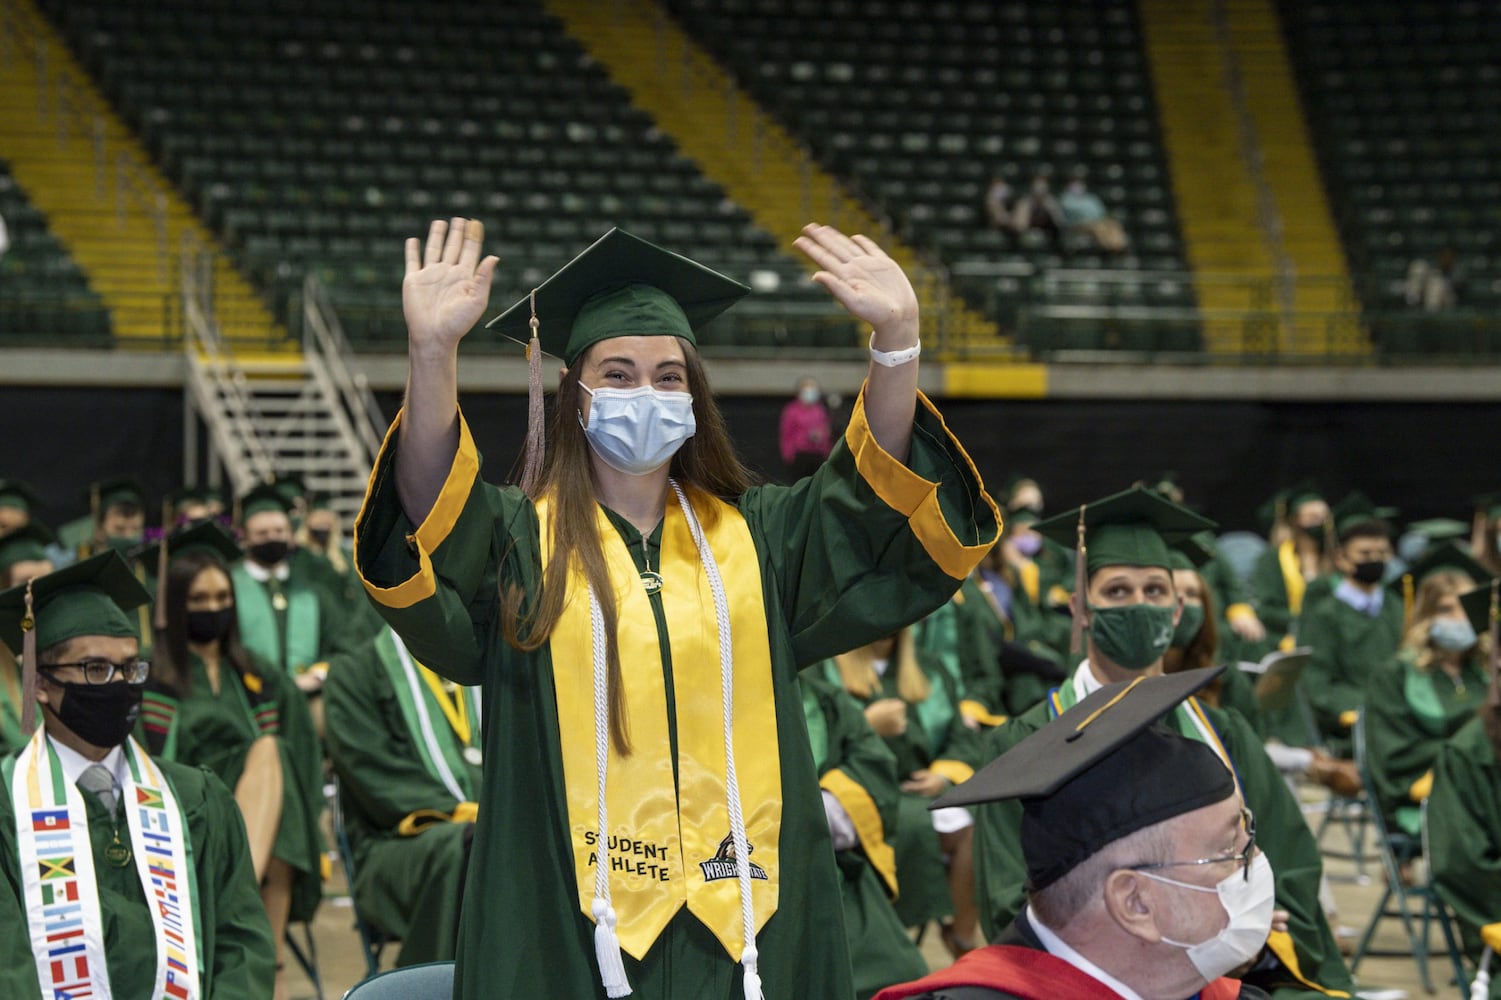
x,y
28,667
159,613
1081,588
536,430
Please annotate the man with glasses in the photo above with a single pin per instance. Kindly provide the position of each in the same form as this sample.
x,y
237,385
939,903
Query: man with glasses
x,y
130,877
1126,608
1136,886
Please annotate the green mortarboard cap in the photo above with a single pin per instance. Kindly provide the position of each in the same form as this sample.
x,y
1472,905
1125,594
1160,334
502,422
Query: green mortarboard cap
x,y
1295,496
1194,553
1490,503
122,490
262,498
200,536
290,487
1134,528
14,493
25,544
1101,771
186,496
90,597
621,286
1439,529
320,501
1356,510
1447,556
1478,605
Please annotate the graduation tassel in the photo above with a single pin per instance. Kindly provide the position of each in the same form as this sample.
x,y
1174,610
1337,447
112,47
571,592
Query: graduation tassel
x,y
607,951
159,613
536,433
1081,586
28,667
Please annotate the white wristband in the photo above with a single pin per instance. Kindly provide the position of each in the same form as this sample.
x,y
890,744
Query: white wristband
x,y
891,359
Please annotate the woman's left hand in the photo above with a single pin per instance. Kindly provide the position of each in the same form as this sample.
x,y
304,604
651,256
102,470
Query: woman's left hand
x,y
925,783
865,281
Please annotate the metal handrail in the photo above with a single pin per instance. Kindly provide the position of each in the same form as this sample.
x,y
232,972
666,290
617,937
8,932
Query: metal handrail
x,y
326,348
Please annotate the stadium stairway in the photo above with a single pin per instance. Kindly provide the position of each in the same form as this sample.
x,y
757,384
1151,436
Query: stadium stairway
x,y
720,127
1230,252
83,168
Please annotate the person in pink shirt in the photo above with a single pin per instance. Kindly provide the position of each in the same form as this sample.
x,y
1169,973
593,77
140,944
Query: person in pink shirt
x,y
806,435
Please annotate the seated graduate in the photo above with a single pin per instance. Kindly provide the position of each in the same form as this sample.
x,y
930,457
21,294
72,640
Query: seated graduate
x,y
912,701
23,556
405,744
1464,809
1430,689
210,702
1128,608
857,774
143,863
1136,887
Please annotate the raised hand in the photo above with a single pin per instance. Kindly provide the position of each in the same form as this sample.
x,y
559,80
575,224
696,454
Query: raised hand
x,y
869,284
445,292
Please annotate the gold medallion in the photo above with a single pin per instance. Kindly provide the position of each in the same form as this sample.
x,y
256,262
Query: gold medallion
x,y
474,756
279,602
653,581
117,854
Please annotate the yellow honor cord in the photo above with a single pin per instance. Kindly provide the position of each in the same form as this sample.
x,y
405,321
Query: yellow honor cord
x,y
455,706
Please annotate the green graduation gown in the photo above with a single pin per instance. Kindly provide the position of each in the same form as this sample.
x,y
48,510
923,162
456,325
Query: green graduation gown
x,y
239,962
1281,831
1408,715
861,548
215,731
309,630
11,737
846,751
408,886
1347,646
1464,834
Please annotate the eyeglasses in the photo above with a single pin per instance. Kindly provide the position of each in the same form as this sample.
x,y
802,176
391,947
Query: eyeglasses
x,y
1243,858
102,671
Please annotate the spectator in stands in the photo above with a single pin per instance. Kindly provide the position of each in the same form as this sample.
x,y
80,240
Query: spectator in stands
x,y
806,433
163,890
406,746
1039,209
1084,212
661,884
998,203
1432,286
210,703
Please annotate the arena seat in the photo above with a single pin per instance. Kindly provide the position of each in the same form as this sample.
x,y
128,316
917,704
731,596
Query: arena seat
x,y
919,104
318,136
44,297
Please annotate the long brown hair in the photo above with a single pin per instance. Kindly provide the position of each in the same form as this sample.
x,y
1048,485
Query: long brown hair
x,y
857,670
705,464
1434,588
170,657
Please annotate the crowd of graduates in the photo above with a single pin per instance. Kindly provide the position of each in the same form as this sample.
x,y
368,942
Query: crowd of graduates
x,y
270,668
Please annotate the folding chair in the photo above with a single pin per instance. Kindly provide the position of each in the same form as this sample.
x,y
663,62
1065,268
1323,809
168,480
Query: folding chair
x,y
306,955
432,981
373,940
1417,906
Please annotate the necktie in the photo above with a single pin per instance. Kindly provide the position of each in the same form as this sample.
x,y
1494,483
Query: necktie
x,y
97,779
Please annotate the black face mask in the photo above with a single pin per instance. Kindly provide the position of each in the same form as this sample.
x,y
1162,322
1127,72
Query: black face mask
x,y
268,553
101,714
1370,572
209,626
319,536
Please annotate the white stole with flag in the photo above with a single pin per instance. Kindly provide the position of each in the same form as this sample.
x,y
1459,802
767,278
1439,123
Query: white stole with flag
x,y
58,875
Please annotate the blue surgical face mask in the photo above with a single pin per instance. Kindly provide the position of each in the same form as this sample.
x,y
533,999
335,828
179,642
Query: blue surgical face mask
x,y
1452,635
637,431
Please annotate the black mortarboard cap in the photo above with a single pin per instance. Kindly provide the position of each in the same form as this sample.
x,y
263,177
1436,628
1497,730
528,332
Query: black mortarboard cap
x,y
1447,556
621,286
1101,771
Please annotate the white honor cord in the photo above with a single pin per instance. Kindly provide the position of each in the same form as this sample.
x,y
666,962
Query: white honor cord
x,y
606,941
424,721
750,956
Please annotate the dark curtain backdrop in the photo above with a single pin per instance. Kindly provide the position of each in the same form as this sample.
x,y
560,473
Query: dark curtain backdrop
x,y
1427,459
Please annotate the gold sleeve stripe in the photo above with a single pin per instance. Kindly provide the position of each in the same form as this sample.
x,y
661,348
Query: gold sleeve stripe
x,y
1281,944
413,590
914,497
956,771
977,711
455,493
867,819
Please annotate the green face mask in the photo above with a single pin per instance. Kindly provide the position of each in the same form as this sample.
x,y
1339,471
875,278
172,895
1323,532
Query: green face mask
x,y
122,543
1189,626
1133,636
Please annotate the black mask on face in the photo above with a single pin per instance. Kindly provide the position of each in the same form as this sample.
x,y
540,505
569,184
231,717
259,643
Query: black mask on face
x,y
268,553
1370,572
319,536
209,626
101,714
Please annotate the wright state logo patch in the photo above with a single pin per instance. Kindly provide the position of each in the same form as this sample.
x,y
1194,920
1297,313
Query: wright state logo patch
x,y
722,864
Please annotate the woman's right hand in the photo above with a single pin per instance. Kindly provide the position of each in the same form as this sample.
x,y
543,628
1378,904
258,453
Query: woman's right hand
x,y
887,716
445,291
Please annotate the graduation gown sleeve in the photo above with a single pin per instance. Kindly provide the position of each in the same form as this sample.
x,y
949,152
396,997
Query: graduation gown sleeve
x,y
1464,830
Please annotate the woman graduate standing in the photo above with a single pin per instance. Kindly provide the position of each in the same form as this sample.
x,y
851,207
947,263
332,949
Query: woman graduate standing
x,y
650,819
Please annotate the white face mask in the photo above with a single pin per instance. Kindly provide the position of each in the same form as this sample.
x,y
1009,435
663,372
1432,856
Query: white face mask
x,y
637,431
808,394
1248,903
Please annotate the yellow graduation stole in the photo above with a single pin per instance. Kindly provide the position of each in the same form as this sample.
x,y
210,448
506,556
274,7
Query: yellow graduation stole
x,y
666,849
1292,576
